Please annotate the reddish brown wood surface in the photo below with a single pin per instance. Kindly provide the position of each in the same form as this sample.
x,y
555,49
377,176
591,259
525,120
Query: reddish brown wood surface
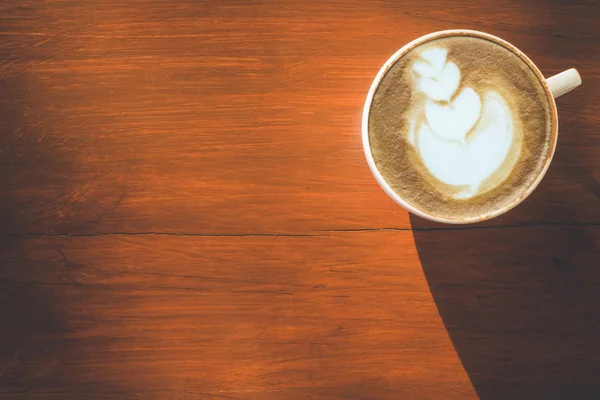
x,y
186,213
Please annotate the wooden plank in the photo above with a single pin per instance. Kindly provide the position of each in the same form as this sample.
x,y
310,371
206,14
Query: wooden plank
x,y
329,316
215,117
326,317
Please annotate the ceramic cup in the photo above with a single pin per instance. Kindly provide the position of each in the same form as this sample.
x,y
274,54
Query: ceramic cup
x,y
554,87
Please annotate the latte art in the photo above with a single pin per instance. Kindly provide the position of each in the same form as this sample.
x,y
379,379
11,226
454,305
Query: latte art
x,y
459,126
461,139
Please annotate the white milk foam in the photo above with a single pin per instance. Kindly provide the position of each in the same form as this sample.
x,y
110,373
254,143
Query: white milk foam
x,y
461,136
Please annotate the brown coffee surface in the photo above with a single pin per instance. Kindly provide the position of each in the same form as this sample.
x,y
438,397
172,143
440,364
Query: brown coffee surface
x,y
484,65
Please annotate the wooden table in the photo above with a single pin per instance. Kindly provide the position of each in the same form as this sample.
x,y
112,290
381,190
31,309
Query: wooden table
x,y
186,212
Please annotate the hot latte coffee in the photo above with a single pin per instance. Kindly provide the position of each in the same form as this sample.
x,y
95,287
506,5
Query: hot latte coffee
x,y
460,126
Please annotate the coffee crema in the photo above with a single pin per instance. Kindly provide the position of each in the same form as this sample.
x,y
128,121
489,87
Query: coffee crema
x,y
460,126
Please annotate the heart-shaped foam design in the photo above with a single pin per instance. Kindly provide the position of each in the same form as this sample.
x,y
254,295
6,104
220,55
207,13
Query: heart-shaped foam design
x,y
443,85
471,162
453,121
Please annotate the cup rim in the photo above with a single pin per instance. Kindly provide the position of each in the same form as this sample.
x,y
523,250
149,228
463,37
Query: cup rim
x,y
367,108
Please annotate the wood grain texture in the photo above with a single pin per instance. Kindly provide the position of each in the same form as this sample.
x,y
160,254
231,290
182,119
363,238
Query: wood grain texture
x,y
185,211
239,317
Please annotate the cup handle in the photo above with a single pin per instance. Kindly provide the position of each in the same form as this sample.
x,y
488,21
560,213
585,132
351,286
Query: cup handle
x,y
564,82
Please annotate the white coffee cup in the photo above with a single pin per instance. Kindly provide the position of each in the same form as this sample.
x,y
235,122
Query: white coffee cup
x,y
554,86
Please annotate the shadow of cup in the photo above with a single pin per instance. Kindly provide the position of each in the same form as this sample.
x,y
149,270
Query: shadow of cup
x,y
521,303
